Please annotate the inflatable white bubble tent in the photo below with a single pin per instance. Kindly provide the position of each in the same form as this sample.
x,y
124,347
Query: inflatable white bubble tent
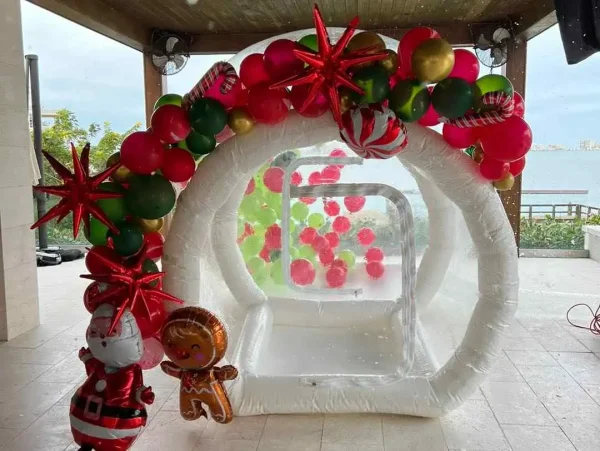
x,y
418,341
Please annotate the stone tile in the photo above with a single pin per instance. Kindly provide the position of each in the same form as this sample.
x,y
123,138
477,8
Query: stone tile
x,y
168,431
52,431
515,403
20,288
242,428
16,202
504,370
521,344
283,430
70,370
411,433
14,376
156,378
554,383
362,429
592,343
34,338
527,358
7,436
537,438
24,317
12,87
593,391
584,367
226,445
289,445
10,32
38,356
580,422
349,447
473,427
18,244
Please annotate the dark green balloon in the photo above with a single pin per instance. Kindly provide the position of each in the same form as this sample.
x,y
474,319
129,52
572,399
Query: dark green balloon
x,y
150,196
375,83
208,116
310,41
491,83
452,97
97,233
148,266
200,144
409,100
115,209
128,241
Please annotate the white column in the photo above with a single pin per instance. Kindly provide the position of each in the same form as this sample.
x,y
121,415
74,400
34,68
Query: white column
x,y
19,309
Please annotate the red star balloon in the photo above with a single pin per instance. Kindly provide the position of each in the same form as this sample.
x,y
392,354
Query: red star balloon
x,y
130,287
79,192
329,66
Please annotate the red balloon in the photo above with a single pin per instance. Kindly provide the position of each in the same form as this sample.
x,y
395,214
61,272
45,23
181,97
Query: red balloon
x,y
155,242
458,137
366,236
374,254
296,178
307,235
302,272
404,71
338,153
318,106
519,105
142,153
354,203
331,207
314,178
268,106
375,270
410,41
326,256
331,174
253,72
273,237
178,165
517,166
153,353
308,200
281,61
466,66
250,187
493,170
431,117
341,225
170,124
335,277
150,322
339,263
333,239
507,141
273,179
94,264
91,293
229,99
242,97
320,243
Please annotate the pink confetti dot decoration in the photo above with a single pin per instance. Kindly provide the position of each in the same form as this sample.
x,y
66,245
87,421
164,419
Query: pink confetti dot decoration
x,y
302,272
320,243
250,187
335,277
273,237
331,174
273,179
307,235
326,256
375,270
341,225
314,178
354,203
331,207
333,239
296,178
366,236
374,254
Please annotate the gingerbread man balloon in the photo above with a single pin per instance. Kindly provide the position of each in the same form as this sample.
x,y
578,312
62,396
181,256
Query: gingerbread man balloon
x,y
196,340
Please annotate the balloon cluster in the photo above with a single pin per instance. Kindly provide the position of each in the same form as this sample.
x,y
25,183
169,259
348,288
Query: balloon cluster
x,y
483,112
318,236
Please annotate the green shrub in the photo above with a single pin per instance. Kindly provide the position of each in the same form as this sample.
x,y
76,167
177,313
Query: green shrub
x,y
552,234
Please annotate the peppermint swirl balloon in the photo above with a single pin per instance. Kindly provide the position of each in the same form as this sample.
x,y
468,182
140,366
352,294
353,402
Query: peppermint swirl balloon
x,y
373,131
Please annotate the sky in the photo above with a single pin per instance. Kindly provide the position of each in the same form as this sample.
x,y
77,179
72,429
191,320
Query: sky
x,y
101,80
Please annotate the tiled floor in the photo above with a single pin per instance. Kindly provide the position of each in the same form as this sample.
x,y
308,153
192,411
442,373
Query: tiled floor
x,y
544,394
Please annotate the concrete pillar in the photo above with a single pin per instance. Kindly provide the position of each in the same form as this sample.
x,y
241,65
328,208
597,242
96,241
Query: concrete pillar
x,y
19,309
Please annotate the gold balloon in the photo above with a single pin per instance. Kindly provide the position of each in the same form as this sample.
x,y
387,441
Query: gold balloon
x,y
122,174
346,99
478,154
390,63
506,183
151,225
364,40
433,60
240,120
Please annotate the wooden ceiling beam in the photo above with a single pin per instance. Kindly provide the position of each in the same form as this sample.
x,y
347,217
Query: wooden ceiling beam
x,y
206,44
101,18
535,20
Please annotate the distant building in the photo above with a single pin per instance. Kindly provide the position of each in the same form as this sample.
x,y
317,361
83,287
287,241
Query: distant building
x,y
589,144
47,118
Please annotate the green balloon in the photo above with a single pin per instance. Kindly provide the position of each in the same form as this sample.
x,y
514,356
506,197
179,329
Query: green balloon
x,y
200,144
249,207
277,272
168,99
208,116
251,246
259,230
261,276
128,241
113,208
293,253
306,251
266,216
148,266
291,226
299,211
255,264
273,200
374,82
349,257
409,100
97,234
241,228
491,83
310,41
316,220
150,196
452,97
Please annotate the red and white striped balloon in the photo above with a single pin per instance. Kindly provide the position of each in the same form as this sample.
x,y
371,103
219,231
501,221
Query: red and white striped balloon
x,y
373,131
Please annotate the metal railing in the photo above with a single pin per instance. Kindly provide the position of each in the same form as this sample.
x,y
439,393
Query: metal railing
x,y
560,212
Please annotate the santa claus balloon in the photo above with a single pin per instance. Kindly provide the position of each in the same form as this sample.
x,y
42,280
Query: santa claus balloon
x,y
108,411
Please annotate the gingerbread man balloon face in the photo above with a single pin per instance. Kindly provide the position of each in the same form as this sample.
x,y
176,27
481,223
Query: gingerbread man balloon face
x,y
195,340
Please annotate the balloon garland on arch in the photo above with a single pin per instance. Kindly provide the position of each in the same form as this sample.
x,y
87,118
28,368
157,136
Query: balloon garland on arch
x,y
369,90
